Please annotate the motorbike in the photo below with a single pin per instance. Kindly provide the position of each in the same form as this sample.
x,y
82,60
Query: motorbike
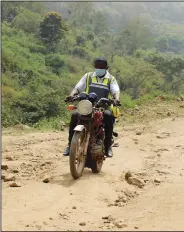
x,y
87,146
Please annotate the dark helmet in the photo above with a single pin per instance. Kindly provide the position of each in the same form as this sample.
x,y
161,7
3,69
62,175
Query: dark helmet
x,y
101,62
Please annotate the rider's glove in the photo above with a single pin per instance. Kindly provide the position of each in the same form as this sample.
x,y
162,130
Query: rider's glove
x,y
117,102
68,98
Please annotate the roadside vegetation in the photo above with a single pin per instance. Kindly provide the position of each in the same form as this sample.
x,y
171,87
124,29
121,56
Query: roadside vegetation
x,y
47,47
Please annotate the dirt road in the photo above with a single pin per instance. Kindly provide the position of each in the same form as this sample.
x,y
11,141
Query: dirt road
x,y
96,202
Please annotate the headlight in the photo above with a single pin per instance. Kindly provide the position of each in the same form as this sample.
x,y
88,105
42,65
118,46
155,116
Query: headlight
x,y
85,107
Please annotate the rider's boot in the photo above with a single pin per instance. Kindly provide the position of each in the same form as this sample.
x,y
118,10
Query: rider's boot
x,y
67,151
108,147
115,134
110,152
73,123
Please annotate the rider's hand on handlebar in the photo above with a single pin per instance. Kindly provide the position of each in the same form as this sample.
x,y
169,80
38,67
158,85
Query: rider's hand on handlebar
x,y
69,98
117,102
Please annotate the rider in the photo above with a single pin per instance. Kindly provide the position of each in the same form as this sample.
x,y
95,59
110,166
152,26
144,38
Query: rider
x,y
104,85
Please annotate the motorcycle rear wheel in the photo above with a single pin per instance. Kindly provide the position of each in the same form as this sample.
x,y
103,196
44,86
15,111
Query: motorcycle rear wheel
x,y
77,158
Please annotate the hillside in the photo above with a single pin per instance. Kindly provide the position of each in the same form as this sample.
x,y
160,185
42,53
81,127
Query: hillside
x,y
145,51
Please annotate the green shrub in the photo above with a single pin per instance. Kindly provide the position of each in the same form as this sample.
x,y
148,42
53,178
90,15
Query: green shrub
x,y
49,123
55,61
90,35
79,51
52,123
27,21
80,40
126,101
38,49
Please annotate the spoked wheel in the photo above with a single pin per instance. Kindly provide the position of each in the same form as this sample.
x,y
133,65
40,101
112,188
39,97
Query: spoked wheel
x,y
77,157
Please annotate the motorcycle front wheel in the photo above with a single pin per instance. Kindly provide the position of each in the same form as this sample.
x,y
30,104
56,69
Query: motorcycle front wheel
x,y
77,158
96,166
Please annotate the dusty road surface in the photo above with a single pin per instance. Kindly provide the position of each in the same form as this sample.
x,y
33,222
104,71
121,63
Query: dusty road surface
x,y
153,153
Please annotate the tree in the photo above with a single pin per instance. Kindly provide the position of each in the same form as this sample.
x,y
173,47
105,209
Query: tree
x,y
117,45
52,28
135,35
9,10
170,65
36,7
139,29
27,21
170,43
135,74
141,73
162,44
81,13
177,83
111,47
99,21
125,42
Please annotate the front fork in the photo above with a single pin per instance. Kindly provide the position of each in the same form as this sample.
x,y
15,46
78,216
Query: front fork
x,y
86,143
84,124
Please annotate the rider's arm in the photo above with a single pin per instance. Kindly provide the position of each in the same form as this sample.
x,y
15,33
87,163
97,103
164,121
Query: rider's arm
x,y
80,86
117,96
115,90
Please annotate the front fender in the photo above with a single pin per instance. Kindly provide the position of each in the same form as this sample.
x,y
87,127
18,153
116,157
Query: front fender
x,y
87,136
79,128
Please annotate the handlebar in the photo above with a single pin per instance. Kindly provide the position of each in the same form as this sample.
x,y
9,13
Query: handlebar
x,y
72,99
113,102
105,101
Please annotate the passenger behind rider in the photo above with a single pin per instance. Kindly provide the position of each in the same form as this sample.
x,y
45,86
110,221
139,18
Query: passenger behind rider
x,y
104,85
